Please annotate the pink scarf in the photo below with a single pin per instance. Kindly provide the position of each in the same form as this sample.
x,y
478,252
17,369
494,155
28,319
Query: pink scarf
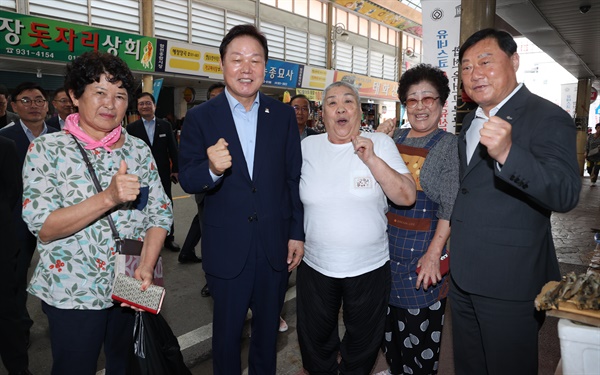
x,y
72,127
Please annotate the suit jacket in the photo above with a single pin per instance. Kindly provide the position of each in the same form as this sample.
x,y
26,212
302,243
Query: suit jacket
x,y
11,117
16,133
164,148
238,206
501,243
10,176
53,121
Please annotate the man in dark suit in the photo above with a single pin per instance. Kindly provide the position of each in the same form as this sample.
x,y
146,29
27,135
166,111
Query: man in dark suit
x,y
13,347
158,135
6,117
30,101
64,107
302,108
243,150
518,164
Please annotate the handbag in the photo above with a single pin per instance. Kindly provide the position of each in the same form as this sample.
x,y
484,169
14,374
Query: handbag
x,y
593,151
128,250
127,289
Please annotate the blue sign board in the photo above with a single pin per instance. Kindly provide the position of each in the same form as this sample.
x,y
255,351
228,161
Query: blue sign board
x,y
281,73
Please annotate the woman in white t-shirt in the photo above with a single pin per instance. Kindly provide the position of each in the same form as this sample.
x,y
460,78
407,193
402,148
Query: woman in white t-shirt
x,y
347,178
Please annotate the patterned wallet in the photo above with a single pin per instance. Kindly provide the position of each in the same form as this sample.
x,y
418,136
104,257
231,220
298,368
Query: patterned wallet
x,y
127,289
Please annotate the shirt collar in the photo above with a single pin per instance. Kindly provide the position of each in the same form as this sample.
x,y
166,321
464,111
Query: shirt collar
x,y
149,122
479,113
29,133
233,102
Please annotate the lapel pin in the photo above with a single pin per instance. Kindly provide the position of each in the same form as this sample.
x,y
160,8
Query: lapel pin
x,y
508,118
266,110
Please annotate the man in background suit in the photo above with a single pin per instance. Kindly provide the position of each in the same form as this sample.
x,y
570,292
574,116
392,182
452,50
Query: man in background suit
x,y
243,150
515,171
13,346
30,101
158,135
64,107
6,117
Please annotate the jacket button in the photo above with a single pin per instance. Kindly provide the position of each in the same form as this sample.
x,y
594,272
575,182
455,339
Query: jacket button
x,y
464,190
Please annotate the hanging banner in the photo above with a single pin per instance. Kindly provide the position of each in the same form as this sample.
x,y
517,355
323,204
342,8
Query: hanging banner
x,y
281,73
192,59
568,98
25,36
156,86
441,43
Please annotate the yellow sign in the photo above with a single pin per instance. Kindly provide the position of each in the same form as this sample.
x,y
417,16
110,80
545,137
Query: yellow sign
x,y
312,95
370,87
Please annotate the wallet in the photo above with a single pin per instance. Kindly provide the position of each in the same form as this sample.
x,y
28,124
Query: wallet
x,y
127,289
444,265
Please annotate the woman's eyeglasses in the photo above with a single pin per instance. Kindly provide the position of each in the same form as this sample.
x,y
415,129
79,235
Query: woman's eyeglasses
x,y
427,101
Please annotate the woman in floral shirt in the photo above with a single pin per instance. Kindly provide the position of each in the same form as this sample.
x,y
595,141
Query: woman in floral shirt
x,y
62,208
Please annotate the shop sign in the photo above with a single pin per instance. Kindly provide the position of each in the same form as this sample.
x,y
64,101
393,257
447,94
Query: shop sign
x,y
369,87
25,36
315,78
312,95
281,73
190,59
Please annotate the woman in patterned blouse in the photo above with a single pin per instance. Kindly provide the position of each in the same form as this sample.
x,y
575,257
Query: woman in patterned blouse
x,y
63,209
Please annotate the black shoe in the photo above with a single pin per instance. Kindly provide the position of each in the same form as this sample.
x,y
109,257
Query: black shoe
x,y
188,258
171,245
205,292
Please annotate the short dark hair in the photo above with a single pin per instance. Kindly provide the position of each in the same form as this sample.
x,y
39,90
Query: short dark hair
x,y
212,87
144,94
3,90
88,68
301,96
24,86
420,73
58,91
243,30
505,41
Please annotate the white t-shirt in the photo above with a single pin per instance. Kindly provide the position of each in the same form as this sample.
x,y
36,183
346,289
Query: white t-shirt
x,y
344,207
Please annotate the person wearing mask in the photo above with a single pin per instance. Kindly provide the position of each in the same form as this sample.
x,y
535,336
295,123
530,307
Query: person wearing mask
x,y
242,149
63,106
158,135
68,216
418,233
30,101
347,178
187,254
592,154
6,117
302,107
13,344
518,164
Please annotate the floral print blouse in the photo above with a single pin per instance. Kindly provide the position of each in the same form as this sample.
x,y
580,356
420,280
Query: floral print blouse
x,y
77,272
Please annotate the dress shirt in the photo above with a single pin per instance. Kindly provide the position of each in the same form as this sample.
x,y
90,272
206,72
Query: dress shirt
x,y
61,123
150,126
473,136
29,134
246,125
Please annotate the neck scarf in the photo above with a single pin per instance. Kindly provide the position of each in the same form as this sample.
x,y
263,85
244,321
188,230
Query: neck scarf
x,y
72,127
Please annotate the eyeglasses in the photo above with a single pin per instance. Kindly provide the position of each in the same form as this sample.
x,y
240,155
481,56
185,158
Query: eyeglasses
x,y
144,104
427,102
63,101
301,109
27,102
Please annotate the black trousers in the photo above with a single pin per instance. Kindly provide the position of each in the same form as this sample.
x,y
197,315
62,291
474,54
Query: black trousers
x,y
493,336
364,299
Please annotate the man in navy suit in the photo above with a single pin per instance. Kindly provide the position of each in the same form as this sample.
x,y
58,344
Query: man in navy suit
x,y
30,101
158,135
64,107
6,117
517,164
242,149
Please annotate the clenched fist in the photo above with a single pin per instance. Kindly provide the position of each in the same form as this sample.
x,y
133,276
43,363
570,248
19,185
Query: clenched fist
x,y
496,136
219,158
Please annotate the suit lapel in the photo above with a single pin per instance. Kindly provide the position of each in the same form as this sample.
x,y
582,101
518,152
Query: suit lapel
x,y
262,132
